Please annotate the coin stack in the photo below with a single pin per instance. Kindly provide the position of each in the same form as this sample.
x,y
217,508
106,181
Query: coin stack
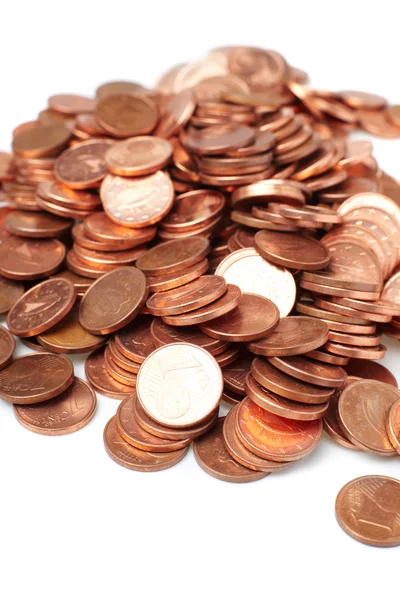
x,y
218,237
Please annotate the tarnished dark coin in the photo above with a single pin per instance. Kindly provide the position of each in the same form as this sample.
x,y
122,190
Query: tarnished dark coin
x,y
368,369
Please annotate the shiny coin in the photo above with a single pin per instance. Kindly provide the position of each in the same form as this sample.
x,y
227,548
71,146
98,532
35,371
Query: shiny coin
x,y
100,379
7,346
83,165
137,156
291,250
23,259
36,224
293,335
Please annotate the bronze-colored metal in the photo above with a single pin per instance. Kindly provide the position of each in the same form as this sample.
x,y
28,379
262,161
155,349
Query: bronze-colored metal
x,y
100,379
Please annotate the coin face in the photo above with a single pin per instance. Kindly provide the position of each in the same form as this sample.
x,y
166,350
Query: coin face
x,y
192,209
41,140
173,256
217,139
293,335
368,509
35,377
65,413
291,250
166,334
36,224
30,259
101,380
69,337
135,340
99,227
41,307
179,385
252,273
7,346
83,165
10,292
126,115
138,156
113,301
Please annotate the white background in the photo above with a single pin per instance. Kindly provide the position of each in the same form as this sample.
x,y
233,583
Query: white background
x,y
73,524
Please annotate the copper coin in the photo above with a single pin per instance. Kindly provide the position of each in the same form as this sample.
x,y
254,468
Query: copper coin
x,y
83,166
373,201
336,291
368,369
363,411
279,405
332,426
81,238
365,100
169,433
309,309
162,283
113,352
254,318
66,413
166,334
354,259
100,379
100,259
213,457
76,265
132,458
252,273
235,374
61,211
289,387
7,347
179,385
41,307
135,340
10,292
351,312
193,209
391,291
290,192
130,430
140,155
293,335
23,259
126,115
36,377
372,352
379,308
217,139
99,227
113,300
118,87
173,256
240,453
186,298
41,140
69,337
333,279
327,358
137,201
273,437
36,225
367,508
354,340
71,104
64,196
176,114
230,397
310,371
118,373
81,284
228,356
291,250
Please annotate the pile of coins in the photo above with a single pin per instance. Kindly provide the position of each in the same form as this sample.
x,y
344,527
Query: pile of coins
x,y
216,238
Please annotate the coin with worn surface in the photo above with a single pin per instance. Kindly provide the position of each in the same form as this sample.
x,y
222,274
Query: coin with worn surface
x,y
126,115
368,509
193,208
293,335
363,411
138,156
273,437
69,337
36,224
166,334
212,456
99,227
132,458
179,385
66,413
130,430
83,165
252,273
137,201
291,250
254,317
10,292
23,259
100,379
368,369
173,256
135,340
186,298
41,307
310,371
113,300
7,347
34,378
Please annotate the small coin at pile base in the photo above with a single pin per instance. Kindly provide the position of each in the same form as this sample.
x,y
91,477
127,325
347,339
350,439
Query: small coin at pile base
x,y
273,437
179,385
126,115
101,380
368,509
173,256
113,301
293,335
368,369
291,250
137,156
10,292
254,318
34,378
130,430
213,457
66,413
7,346
252,273
363,411
287,386
83,166
132,458
36,225
69,337
137,201
231,398
240,453
135,340
189,297
166,334
99,227
332,426
41,307
310,371
22,258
